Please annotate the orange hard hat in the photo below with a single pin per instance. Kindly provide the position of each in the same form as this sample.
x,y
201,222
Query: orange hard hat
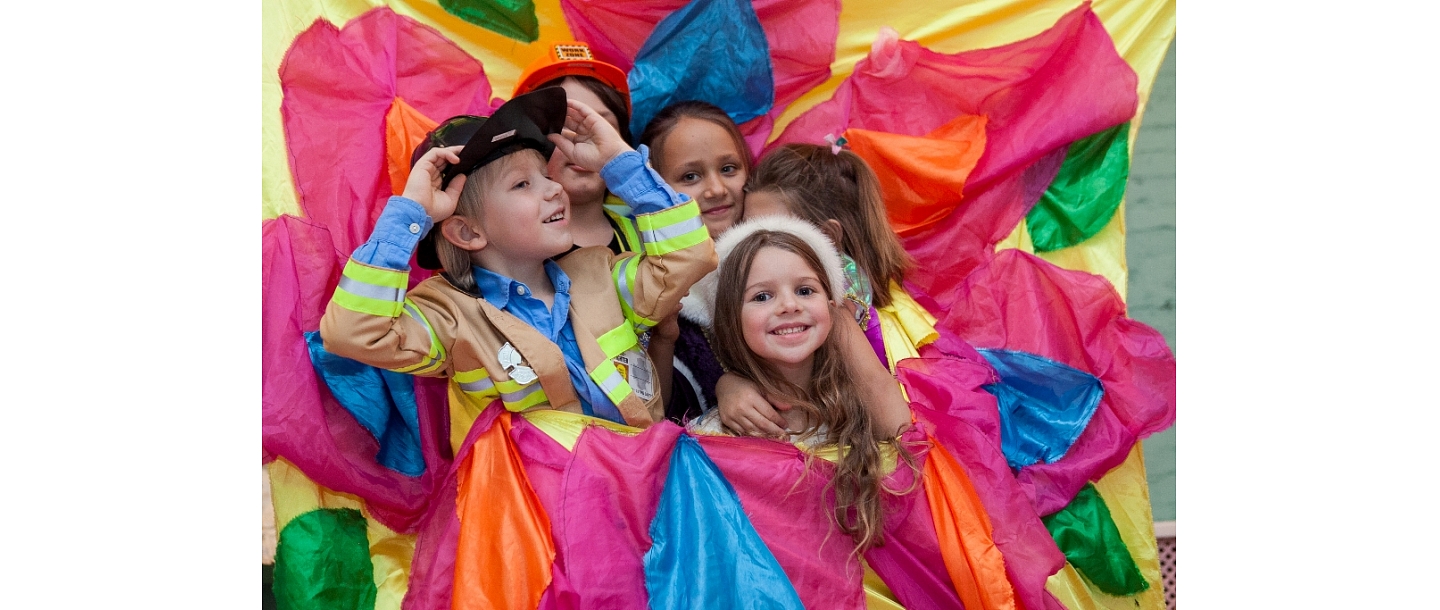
x,y
571,58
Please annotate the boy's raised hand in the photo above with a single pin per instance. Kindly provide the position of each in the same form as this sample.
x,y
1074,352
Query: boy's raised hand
x,y
588,139
423,186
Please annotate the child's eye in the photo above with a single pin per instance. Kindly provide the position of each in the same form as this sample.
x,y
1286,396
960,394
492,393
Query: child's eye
x,y
521,184
760,297
690,177
805,291
729,169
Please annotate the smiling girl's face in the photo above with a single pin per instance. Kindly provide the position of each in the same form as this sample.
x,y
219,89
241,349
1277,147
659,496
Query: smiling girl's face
x,y
700,159
785,314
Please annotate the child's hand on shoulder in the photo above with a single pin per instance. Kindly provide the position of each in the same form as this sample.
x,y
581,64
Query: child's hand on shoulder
x,y
423,186
588,139
745,411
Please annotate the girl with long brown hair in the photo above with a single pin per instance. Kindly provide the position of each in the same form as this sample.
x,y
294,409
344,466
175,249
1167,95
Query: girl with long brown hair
x,y
776,324
836,190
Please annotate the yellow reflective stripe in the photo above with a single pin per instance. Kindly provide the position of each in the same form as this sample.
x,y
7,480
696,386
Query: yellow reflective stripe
x,y
624,273
425,365
629,238
669,216
610,381
617,340
366,305
661,248
528,397
377,276
675,230
434,366
437,351
463,377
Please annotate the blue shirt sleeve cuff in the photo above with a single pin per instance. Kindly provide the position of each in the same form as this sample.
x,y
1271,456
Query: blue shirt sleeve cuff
x,y
630,177
397,232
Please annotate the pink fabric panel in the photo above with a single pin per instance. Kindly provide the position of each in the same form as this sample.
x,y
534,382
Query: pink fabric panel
x,y
787,507
300,421
1030,553
338,84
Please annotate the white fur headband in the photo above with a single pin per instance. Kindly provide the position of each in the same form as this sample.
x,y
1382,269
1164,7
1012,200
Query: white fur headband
x,y
700,303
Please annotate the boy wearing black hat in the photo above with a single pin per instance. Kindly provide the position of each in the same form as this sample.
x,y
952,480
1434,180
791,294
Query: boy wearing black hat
x,y
507,319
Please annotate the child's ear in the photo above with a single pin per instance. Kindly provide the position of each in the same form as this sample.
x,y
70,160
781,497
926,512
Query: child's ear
x,y
833,231
460,231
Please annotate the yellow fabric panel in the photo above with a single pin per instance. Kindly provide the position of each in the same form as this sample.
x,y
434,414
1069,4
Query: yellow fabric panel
x,y
282,20
905,326
463,413
1127,495
294,494
1019,238
565,427
390,555
878,595
1103,254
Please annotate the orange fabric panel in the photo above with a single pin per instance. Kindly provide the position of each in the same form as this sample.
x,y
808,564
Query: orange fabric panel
x,y
976,566
405,127
921,178
504,552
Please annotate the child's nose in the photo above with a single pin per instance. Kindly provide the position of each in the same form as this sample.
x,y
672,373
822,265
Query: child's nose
x,y
714,188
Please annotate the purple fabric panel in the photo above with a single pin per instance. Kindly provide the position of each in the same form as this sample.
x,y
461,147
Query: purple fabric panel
x,y
432,567
787,507
601,516
876,337
910,562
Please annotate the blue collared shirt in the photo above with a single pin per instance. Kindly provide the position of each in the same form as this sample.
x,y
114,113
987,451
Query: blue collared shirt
x,y
517,299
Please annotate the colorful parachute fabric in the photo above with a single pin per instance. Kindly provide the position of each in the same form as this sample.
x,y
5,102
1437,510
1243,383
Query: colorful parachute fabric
x,y
999,129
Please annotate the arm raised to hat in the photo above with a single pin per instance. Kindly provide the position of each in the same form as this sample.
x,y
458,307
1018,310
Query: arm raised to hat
x,y
588,140
423,186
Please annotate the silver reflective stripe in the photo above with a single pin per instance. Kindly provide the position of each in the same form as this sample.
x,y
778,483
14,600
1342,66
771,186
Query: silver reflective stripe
x,y
359,288
625,283
520,394
675,230
480,385
611,382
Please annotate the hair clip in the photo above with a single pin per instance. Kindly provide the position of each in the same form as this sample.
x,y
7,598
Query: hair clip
x,y
835,144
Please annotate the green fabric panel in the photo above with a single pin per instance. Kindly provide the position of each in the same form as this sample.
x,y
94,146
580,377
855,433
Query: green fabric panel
x,y
1086,192
1087,535
513,18
322,561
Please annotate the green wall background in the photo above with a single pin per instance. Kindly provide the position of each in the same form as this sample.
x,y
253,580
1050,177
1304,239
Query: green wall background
x,y
1150,254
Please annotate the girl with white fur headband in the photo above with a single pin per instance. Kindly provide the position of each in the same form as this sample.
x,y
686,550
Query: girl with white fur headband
x,y
773,312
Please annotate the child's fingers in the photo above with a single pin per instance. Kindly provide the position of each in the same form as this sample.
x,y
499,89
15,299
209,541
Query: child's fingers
x,y
760,426
456,185
451,154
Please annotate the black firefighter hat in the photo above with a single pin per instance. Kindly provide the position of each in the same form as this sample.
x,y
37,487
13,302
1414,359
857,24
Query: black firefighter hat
x,y
523,121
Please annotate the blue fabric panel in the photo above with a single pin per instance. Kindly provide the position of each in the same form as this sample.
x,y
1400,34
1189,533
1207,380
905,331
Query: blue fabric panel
x,y
382,401
705,552
708,50
1044,405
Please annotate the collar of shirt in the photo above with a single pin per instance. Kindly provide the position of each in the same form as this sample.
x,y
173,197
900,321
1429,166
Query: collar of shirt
x,y
499,290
